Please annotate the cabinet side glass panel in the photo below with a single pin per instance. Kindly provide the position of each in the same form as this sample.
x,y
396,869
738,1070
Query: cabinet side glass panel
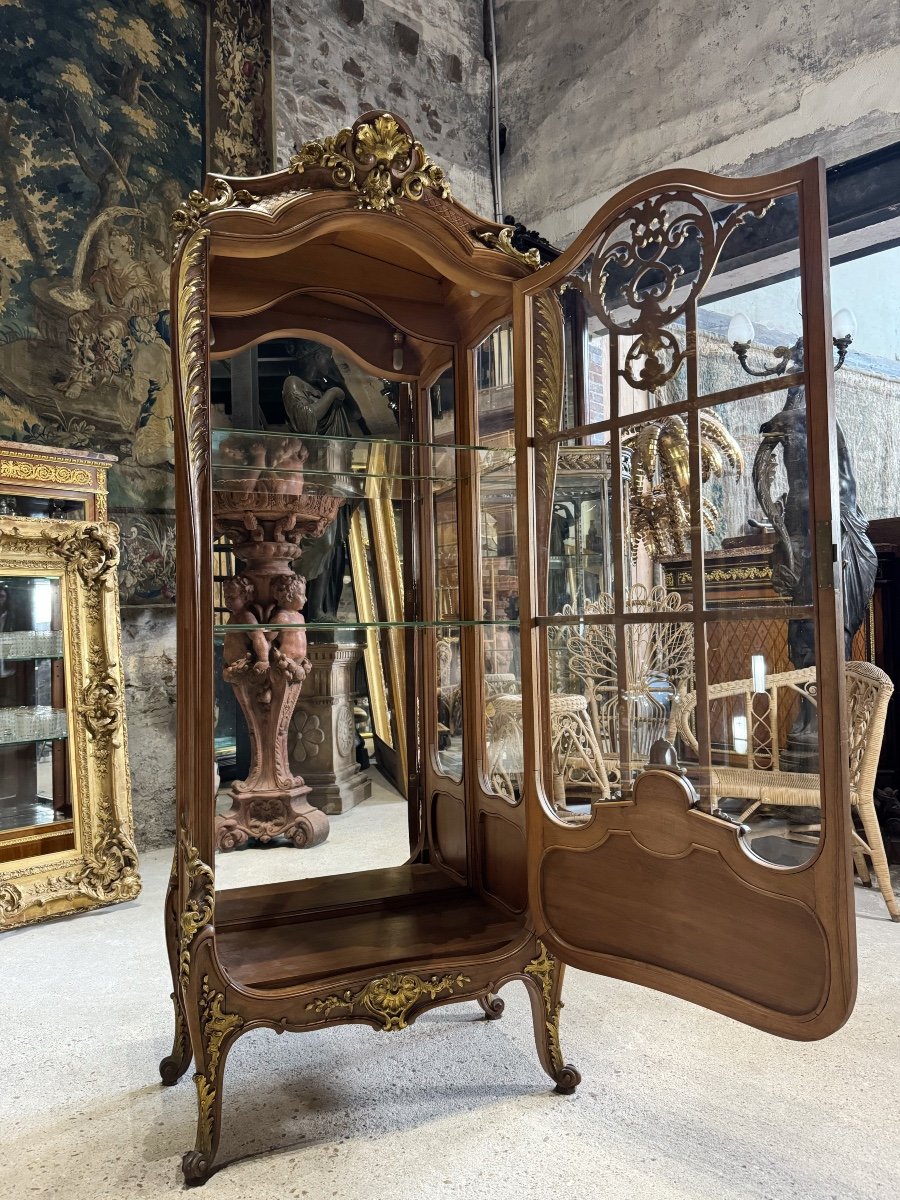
x,y
701,503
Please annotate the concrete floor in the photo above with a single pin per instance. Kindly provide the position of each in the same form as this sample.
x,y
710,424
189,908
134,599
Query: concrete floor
x,y
676,1103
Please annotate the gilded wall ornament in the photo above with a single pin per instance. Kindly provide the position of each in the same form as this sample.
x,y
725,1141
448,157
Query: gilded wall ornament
x,y
38,472
389,998
94,550
378,159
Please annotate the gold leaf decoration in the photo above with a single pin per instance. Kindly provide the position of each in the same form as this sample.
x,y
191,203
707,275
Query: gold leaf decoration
x,y
199,907
378,158
548,397
197,206
389,998
503,241
543,969
192,339
216,1026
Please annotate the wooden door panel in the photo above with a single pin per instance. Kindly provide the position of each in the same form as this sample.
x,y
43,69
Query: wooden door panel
x,y
636,870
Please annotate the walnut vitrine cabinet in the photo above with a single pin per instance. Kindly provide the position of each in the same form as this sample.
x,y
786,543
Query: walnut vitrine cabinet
x,y
530,848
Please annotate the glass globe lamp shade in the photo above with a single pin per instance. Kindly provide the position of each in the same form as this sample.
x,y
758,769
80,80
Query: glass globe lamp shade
x,y
843,324
740,330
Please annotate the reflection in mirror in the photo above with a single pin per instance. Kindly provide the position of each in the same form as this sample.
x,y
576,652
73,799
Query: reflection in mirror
x,y
34,777
503,710
315,478
582,561
449,703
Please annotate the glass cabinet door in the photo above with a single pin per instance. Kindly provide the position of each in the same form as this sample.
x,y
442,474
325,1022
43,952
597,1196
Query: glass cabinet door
x,y
693,802
35,795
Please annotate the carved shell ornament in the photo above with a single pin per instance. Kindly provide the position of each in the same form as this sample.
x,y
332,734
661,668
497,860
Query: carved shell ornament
x,y
378,158
648,267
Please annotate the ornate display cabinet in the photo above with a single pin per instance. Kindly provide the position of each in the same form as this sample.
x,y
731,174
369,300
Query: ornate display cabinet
x,y
536,838
66,838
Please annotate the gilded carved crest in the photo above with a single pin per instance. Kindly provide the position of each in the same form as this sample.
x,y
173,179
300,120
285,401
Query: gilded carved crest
x,y
378,158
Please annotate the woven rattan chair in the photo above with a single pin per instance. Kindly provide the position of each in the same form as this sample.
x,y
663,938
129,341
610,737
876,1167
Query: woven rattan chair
x,y
659,660
763,781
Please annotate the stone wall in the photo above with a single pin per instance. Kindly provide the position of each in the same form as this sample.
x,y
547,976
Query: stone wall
x,y
595,95
422,60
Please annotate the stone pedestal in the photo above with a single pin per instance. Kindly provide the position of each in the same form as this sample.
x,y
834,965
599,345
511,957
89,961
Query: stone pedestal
x,y
322,736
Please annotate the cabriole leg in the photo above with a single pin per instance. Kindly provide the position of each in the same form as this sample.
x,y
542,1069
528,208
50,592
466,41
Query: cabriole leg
x,y
544,976
219,1030
174,1065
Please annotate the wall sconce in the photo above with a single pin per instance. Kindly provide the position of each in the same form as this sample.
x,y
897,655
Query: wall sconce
x,y
741,334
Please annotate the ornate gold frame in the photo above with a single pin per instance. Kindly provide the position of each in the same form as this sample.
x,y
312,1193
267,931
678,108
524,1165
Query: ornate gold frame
x,y
102,867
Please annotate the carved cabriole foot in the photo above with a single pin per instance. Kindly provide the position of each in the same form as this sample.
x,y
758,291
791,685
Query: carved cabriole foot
x,y
544,976
174,1065
289,815
492,1006
219,1029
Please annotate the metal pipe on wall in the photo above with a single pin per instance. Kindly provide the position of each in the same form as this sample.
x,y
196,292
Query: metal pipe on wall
x,y
490,53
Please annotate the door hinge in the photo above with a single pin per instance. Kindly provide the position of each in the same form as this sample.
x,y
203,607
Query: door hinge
x,y
826,555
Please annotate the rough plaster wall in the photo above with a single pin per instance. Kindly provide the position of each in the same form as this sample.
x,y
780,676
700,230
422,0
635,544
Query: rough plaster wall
x,y
595,95
148,664
422,59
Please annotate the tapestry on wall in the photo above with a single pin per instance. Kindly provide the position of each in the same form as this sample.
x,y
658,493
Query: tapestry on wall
x,y
101,137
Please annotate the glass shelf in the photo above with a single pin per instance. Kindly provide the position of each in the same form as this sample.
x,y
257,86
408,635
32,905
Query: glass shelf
x,y
31,645
347,627
26,724
289,464
32,741
248,436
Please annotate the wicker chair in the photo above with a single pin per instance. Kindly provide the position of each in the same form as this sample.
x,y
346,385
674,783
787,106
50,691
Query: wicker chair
x,y
659,661
763,781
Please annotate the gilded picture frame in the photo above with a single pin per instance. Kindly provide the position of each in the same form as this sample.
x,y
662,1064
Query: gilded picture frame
x,y
101,868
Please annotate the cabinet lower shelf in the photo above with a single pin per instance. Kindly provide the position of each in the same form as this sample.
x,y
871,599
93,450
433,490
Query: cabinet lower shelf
x,y
291,934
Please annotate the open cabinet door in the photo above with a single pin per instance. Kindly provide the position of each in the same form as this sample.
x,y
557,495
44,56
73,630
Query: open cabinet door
x,y
682,597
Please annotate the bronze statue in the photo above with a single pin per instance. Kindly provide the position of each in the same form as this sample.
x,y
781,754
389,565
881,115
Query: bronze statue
x,y
792,567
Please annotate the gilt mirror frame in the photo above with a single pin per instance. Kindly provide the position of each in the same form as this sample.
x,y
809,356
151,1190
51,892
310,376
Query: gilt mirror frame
x,y
101,868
